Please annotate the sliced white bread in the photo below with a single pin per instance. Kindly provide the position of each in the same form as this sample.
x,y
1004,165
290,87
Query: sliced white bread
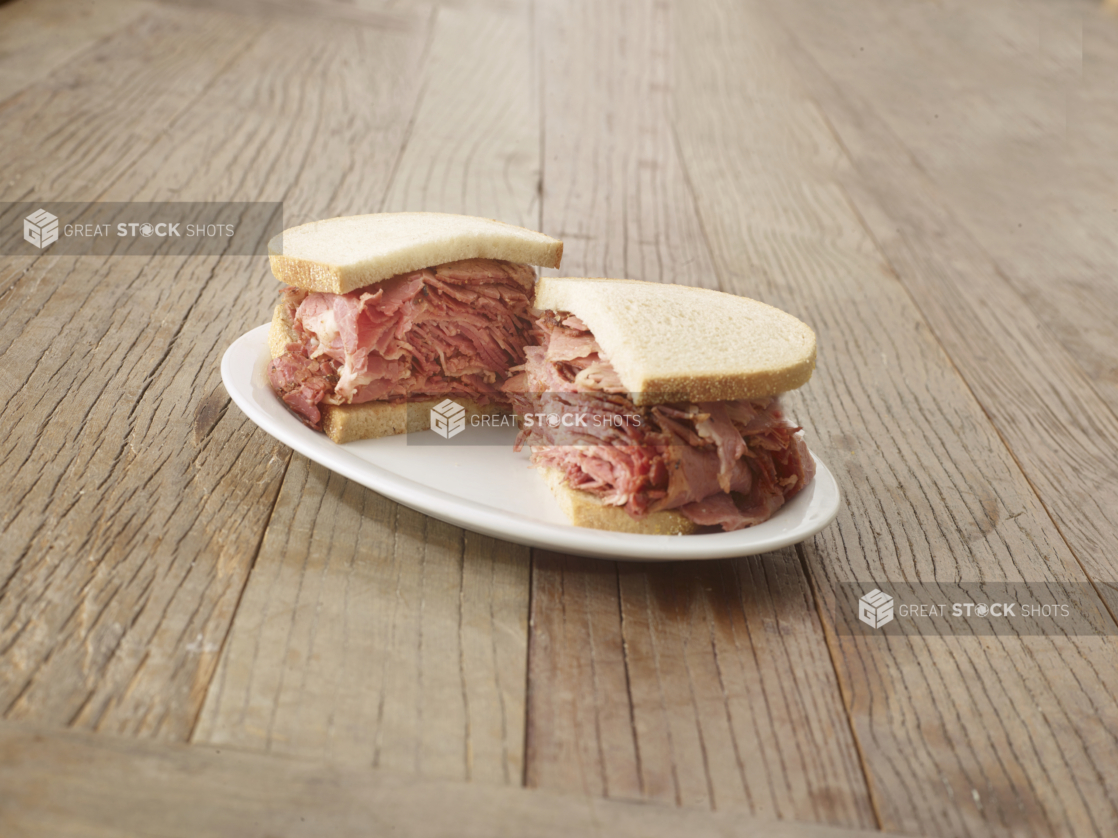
x,y
371,420
338,255
585,510
677,343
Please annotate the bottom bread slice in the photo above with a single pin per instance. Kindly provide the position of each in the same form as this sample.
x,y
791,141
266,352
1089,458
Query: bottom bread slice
x,y
371,420
585,510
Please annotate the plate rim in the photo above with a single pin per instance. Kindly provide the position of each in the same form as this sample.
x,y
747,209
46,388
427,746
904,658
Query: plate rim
x,y
488,520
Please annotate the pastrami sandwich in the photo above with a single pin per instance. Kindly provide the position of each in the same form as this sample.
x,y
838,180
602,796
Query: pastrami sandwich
x,y
654,408
387,311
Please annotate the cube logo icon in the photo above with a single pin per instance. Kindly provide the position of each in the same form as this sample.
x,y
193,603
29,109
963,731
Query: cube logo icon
x,y
40,229
875,609
448,418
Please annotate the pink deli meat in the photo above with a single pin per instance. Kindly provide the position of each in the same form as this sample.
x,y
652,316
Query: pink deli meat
x,y
728,464
449,331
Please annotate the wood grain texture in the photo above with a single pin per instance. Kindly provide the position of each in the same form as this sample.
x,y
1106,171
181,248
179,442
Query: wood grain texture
x,y
1060,428
369,633
114,586
613,188
72,784
664,682
39,36
474,144
703,684
136,499
959,735
938,205
1010,124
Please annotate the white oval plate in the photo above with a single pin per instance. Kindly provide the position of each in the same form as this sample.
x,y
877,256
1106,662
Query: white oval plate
x,y
492,490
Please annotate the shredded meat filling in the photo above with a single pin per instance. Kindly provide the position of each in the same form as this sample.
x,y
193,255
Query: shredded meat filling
x,y
728,464
451,331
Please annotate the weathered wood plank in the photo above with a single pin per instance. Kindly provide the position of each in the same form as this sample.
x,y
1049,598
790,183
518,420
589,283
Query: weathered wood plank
x,y
703,684
369,633
747,637
959,735
136,500
613,188
1010,123
73,784
1013,354
474,147
39,36
662,682
580,729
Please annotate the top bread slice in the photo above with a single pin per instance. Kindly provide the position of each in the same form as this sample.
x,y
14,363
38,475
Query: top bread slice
x,y
677,343
339,255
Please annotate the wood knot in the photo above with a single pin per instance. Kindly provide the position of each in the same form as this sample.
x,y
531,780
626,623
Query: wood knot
x,y
209,413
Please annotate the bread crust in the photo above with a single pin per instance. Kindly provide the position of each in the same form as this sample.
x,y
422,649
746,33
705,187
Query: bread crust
x,y
370,420
718,387
281,332
586,510
338,255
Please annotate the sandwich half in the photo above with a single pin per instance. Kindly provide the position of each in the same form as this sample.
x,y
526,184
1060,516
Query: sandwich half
x,y
396,310
655,408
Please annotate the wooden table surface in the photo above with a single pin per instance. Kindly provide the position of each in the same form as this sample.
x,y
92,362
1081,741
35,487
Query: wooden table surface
x,y
202,633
